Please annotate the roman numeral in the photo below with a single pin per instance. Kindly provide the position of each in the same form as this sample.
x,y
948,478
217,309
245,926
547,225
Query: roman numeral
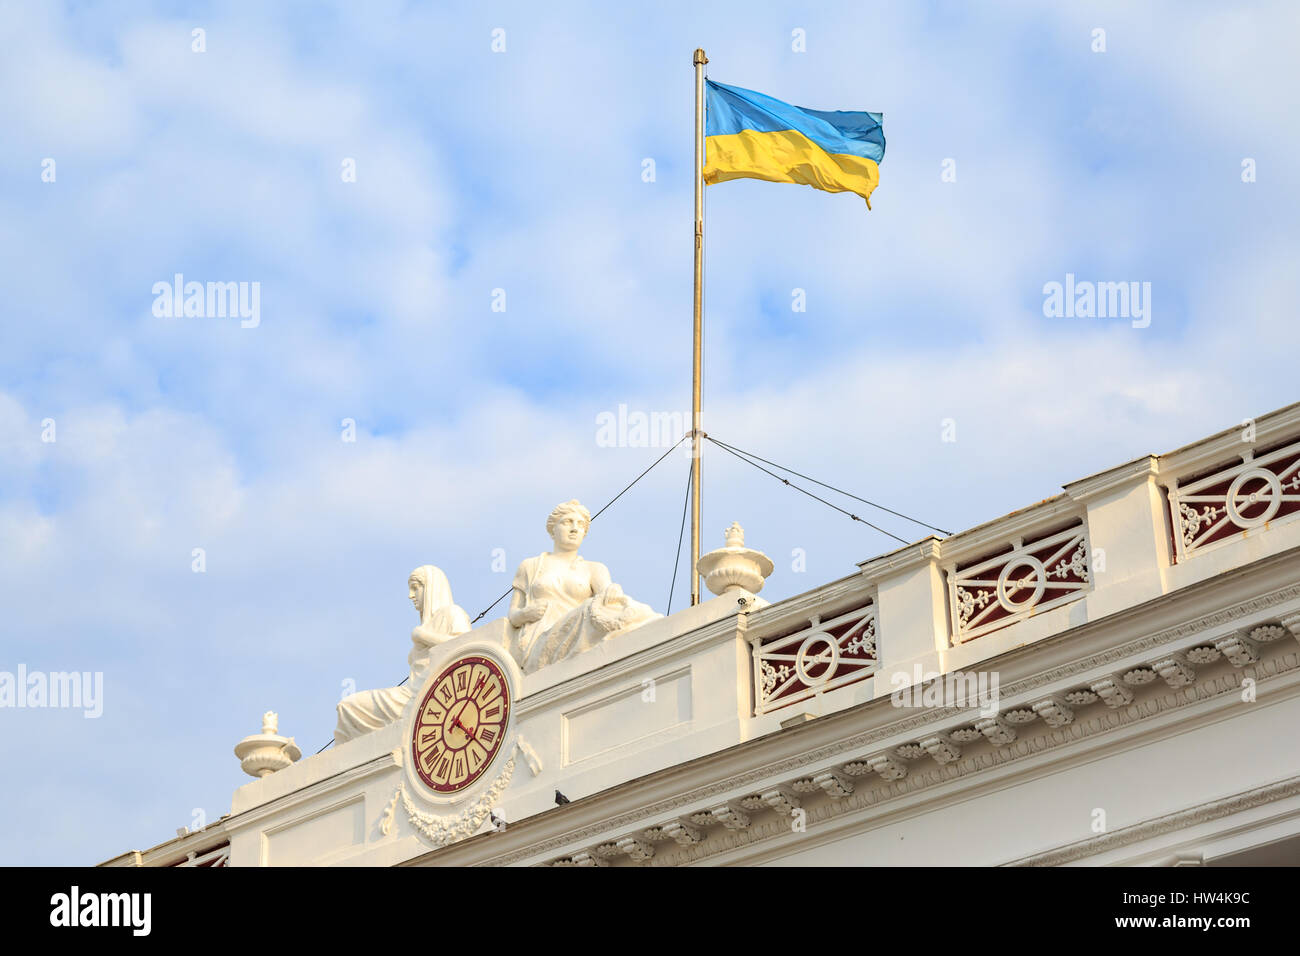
x,y
430,757
433,712
476,756
488,694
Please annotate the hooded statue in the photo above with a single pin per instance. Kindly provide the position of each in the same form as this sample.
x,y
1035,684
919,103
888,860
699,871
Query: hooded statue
x,y
440,620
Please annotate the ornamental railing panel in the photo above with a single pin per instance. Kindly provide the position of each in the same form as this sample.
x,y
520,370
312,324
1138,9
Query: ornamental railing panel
x,y
1235,500
1029,578
824,655
220,857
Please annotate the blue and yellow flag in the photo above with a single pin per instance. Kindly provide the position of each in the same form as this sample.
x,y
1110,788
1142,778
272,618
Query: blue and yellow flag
x,y
752,136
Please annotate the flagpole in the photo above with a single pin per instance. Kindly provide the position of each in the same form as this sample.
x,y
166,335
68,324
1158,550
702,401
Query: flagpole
x,y
699,59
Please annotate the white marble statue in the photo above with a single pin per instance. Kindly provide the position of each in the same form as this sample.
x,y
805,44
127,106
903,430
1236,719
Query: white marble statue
x,y
563,604
440,620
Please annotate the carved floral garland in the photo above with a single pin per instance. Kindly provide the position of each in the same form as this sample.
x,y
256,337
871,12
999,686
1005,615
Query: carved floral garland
x,y
442,830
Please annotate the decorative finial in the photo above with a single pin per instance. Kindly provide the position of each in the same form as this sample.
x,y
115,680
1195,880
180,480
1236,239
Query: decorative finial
x,y
735,567
267,752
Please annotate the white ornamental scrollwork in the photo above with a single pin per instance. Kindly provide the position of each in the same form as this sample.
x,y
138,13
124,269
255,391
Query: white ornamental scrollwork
x,y
1243,496
865,642
772,675
969,603
1077,566
824,655
441,830
1193,520
1011,586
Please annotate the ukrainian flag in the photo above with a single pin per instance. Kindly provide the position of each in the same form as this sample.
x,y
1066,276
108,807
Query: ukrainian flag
x,y
752,136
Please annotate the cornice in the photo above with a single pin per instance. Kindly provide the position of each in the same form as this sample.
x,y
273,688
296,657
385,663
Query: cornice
x,y
1223,690
725,629
1024,524
903,559
176,850
342,779
1226,686
1223,446
824,602
1191,816
1130,473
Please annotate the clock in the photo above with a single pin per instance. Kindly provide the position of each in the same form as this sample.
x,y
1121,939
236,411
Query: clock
x,y
460,724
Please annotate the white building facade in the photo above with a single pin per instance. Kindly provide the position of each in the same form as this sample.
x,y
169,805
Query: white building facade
x,y
1110,676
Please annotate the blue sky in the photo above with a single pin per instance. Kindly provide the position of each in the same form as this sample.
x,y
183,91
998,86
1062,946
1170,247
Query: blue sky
x,y
522,170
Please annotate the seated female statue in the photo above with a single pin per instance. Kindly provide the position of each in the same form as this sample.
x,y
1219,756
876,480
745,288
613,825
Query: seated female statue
x,y
563,604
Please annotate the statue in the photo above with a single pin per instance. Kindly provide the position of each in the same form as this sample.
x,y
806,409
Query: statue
x,y
562,604
440,620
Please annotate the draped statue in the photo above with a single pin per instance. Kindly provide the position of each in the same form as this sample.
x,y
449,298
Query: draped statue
x,y
562,604
440,620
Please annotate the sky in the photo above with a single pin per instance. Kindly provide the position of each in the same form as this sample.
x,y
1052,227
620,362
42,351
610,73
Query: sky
x,y
470,230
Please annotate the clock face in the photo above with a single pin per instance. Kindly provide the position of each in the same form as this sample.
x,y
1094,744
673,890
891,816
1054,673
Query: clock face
x,y
461,724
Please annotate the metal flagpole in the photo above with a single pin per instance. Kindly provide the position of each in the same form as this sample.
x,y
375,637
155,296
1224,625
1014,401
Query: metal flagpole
x,y
696,434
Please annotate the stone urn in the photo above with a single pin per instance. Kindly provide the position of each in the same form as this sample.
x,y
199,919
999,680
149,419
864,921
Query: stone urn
x,y
735,567
267,752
